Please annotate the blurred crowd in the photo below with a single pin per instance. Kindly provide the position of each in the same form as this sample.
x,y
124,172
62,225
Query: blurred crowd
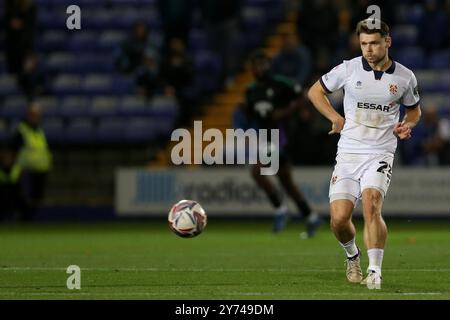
x,y
322,43
324,37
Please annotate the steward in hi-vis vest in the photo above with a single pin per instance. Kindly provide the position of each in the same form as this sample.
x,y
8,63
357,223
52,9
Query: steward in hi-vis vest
x,y
34,155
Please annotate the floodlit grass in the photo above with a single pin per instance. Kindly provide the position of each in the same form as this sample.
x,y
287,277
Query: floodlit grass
x,y
230,260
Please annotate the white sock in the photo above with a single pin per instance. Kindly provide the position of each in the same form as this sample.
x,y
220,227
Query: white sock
x,y
350,248
281,210
313,217
375,260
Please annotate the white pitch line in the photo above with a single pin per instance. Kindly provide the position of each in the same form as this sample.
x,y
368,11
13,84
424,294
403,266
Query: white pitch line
x,y
207,269
224,294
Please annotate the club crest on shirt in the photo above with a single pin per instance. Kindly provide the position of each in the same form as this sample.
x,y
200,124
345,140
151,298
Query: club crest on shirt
x,y
358,84
393,88
333,179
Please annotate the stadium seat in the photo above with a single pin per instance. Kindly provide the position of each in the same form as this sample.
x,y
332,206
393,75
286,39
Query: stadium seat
x,y
440,60
4,132
140,130
67,84
14,107
253,18
50,106
54,130
134,106
437,100
53,40
110,130
198,40
97,84
93,63
104,106
8,85
404,35
80,131
412,57
428,80
61,62
123,85
162,105
75,106
84,41
208,67
111,39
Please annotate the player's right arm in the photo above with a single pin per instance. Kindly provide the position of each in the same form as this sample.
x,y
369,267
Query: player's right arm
x,y
319,99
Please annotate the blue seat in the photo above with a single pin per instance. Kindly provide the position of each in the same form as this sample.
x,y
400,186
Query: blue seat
x,y
54,130
111,39
75,106
440,60
80,131
66,84
134,106
104,106
404,35
52,19
60,62
208,67
97,84
93,63
198,40
84,41
253,19
110,130
53,40
164,106
50,106
14,108
412,57
140,130
4,132
123,85
8,85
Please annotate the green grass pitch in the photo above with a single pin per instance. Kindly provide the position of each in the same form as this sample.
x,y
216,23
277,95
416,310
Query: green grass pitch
x,y
230,260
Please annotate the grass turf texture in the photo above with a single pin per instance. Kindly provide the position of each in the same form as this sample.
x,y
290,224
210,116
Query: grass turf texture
x,y
230,260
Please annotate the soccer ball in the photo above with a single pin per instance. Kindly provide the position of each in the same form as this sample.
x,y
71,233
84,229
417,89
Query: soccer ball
x,y
187,218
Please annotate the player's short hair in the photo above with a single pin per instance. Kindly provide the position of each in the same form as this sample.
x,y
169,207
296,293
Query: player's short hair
x,y
367,26
259,55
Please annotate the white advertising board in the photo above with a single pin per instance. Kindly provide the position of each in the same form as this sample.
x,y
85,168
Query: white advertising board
x,y
231,191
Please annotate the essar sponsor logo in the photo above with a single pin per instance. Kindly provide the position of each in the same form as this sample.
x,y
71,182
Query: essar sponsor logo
x,y
373,106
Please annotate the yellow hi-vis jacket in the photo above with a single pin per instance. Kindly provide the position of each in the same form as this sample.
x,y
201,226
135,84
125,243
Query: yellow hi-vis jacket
x,y
12,177
35,155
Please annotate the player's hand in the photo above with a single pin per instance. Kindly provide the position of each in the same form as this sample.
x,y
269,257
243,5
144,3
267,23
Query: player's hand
x,y
402,130
337,125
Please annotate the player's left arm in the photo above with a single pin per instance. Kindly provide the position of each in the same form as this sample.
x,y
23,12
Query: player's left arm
x,y
403,129
413,112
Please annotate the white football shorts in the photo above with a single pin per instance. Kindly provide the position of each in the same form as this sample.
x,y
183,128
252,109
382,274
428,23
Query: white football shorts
x,y
355,172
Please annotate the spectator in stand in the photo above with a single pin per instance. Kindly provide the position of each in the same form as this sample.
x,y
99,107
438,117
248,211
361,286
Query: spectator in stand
x,y
318,27
431,139
148,78
177,74
222,22
176,18
294,61
131,53
20,18
433,29
32,79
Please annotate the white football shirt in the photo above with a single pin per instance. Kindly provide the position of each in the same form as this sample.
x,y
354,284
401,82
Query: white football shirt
x,y
372,102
